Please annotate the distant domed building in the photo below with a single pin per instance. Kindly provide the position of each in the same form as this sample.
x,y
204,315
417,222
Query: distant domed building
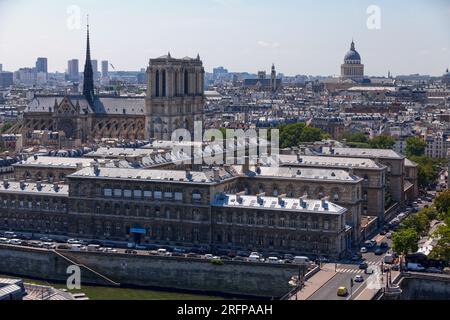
x,y
446,78
352,67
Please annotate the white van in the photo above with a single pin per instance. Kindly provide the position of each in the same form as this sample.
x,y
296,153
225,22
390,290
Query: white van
x,y
254,258
301,260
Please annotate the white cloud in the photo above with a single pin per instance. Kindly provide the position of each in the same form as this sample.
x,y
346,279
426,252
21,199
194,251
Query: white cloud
x,y
266,44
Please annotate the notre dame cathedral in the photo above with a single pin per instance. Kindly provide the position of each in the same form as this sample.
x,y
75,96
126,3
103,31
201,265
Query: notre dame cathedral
x,y
175,100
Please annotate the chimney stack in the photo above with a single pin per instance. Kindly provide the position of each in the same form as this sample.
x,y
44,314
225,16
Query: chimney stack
x,y
260,199
239,195
281,202
39,185
303,202
216,174
5,183
56,186
22,184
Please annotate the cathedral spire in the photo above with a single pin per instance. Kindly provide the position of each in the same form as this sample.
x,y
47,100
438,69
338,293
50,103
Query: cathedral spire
x,y
88,83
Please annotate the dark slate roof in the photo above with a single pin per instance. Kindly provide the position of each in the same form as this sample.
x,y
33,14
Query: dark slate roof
x,y
102,104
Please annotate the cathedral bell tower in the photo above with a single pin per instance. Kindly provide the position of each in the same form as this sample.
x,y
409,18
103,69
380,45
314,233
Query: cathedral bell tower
x,y
175,96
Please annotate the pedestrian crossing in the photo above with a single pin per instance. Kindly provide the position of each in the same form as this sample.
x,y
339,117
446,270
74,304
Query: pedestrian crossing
x,y
355,269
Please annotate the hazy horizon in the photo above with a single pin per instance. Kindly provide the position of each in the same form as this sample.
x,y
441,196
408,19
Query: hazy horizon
x,y
300,37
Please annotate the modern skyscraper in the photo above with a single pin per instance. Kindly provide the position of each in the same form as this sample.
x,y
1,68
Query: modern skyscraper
x,y
72,70
41,65
105,65
94,66
6,79
88,83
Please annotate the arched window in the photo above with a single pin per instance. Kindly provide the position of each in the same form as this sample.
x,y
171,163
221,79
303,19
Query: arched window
x,y
157,84
164,87
175,85
186,82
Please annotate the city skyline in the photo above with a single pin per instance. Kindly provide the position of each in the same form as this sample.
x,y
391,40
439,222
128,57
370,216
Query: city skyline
x,y
252,37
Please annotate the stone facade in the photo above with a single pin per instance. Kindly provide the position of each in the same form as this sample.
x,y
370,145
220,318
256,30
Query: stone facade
x,y
175,96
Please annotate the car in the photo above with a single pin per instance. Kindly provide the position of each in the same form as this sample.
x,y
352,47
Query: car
x,y
4,240
379,252
363,265
162,252
254,258
364,250
288,257
177,254
208,256
355,257
384,245
274,260
434,270
373,242
49,245
383,233
359,278
395,267
239,258
389,235
225,258
255,254
15,242
342,292
415,267
73,241
369,271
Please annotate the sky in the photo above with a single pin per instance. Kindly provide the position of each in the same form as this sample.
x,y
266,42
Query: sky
x,y
299,36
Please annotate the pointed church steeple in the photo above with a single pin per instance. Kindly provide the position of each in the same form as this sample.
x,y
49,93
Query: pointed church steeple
x,y
88,84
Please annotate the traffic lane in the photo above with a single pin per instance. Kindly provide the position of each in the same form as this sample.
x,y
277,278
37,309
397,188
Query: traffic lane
x,y
329,290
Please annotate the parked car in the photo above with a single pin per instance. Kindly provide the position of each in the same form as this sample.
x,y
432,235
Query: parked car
x,y
389,235
288,257
254,258
359,278
389,258
364,250
383,233
378,252
274,260
415,267
162,252
301,260
434,270
384,245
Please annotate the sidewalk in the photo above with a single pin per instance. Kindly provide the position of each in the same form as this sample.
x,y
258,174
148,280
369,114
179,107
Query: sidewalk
x,y
316,282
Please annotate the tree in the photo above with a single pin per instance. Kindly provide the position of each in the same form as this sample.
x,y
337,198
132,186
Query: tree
x,y
442,249
382,142
405,241
442,202
420,223
6,127
358,137
428,169
415,147
294,134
